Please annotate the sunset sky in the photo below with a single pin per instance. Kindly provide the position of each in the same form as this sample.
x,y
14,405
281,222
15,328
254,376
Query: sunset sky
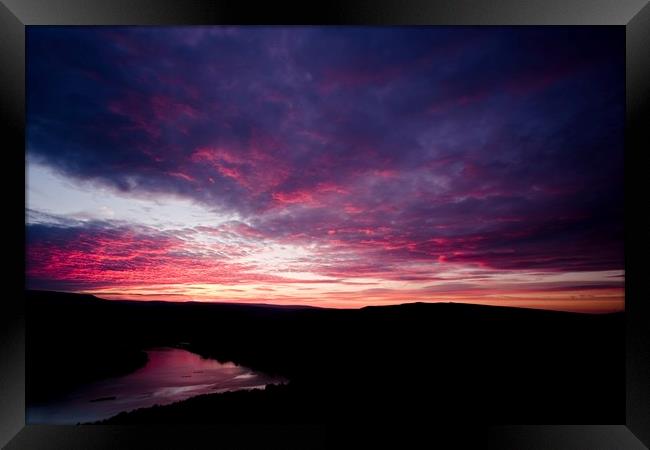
x,y
328,166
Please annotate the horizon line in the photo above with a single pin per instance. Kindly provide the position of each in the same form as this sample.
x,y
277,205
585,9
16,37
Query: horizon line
x,y
298,305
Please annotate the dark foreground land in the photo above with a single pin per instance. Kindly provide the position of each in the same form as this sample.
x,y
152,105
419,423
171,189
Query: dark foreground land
x,y
428,362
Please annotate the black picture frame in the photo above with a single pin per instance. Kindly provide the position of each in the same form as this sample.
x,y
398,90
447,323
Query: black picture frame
x,y
634,15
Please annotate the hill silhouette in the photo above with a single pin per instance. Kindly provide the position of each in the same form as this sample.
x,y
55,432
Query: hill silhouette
x,y
417,361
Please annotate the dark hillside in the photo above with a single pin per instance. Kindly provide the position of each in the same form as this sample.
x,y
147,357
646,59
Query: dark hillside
x,y
453,361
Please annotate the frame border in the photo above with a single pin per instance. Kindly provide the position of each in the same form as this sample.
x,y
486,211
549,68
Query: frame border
x,y
633,14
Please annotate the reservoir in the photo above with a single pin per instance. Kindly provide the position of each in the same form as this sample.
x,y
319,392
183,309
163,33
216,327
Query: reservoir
x,y
170,375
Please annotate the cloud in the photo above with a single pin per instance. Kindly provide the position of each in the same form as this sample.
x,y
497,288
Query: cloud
x,y
101,255
374,148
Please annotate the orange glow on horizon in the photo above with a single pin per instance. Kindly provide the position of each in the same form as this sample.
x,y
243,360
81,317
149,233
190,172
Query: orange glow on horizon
x,y
595,302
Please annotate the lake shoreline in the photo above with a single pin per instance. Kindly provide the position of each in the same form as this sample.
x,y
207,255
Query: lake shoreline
x,y
171,374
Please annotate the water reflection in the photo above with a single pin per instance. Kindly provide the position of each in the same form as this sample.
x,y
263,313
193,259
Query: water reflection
x,y
170,375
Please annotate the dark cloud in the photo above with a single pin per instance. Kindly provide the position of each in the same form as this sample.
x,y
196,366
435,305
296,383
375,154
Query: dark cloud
x,y
494,146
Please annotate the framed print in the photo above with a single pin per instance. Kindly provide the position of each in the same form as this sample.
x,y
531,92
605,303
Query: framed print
x,y
255,227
